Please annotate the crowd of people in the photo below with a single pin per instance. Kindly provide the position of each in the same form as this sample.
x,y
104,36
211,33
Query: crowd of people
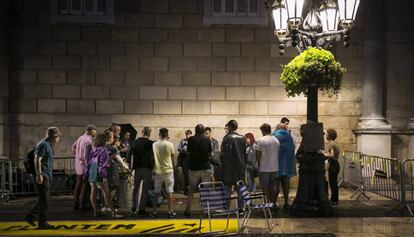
x,y
99,157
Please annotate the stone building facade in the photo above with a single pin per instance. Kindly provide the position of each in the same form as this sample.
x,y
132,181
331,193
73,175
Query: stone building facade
x,y
158,65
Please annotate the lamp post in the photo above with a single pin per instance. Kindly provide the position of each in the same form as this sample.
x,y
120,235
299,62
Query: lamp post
x,y
322,26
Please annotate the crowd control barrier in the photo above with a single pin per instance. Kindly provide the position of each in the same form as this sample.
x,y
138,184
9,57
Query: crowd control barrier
x,y
386,177
352,173
15,181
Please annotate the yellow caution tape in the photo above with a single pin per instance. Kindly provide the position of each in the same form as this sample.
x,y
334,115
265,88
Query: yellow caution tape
x,y
116,227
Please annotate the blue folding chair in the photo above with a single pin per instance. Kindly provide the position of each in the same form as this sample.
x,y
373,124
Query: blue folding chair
x,y
250,206
214,201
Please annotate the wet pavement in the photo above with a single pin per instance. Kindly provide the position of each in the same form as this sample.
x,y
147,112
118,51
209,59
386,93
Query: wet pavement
x,y
350,218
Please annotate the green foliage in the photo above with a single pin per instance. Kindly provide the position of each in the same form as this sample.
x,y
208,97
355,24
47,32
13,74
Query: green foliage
x,y
313,67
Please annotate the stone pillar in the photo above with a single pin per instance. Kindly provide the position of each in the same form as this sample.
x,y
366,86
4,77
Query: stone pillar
x,y
373,135
411,140
373,65
4,73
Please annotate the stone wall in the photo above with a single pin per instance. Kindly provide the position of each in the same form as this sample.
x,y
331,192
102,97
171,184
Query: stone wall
x,y
158,65
4,72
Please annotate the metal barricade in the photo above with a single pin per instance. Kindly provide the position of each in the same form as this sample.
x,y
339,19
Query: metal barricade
x,y
407,186
16,181
4,189
352,173
382,176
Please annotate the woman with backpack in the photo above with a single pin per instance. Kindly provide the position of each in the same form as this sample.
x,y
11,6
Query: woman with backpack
x,y
101,157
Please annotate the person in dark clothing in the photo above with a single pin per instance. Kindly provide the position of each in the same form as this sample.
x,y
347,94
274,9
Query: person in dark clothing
x,y
199,150
44,173
332,154
125,144
141,158
215,154
233,158
183,159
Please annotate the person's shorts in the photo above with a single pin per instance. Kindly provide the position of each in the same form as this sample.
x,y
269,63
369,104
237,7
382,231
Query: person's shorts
x,y
164,179
196,176
267,179
212,169
99,184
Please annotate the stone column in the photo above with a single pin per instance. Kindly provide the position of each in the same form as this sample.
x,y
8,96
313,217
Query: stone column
x,y
373,82
373,135
411,138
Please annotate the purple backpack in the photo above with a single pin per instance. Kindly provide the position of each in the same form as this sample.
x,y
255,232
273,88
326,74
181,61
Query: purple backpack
x,y
100,156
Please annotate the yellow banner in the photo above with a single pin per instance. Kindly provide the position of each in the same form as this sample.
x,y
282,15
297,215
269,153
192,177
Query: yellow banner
x,y
116,227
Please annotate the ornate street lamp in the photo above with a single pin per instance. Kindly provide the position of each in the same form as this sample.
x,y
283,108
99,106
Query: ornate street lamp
x,y
329,16
294,10
320,28
347,12
280,18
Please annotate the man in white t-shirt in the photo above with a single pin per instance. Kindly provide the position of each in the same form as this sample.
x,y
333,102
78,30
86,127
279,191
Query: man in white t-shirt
x,y
163,171
267,153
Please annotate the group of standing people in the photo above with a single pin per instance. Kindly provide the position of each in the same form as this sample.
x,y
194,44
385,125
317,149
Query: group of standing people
x,y
98,158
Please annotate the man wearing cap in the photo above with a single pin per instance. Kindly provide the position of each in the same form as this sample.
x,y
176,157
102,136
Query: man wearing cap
x,y
44,167
82,150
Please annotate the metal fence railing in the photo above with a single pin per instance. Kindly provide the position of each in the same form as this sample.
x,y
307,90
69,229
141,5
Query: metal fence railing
x,y
387,177
14,180
382,176
407,186
352,173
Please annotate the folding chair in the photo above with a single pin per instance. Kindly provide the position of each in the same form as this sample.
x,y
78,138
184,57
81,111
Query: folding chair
x,y
250,206
214,201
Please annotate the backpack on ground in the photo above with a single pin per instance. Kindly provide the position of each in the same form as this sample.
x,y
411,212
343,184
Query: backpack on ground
x,y
29,163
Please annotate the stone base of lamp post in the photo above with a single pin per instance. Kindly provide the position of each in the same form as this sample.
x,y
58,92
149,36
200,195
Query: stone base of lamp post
x,y
311,197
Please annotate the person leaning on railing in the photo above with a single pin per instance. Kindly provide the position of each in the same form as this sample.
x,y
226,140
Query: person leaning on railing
x,y
44,169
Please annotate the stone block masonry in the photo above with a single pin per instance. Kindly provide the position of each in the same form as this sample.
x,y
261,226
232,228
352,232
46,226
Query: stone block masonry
x,y
158,65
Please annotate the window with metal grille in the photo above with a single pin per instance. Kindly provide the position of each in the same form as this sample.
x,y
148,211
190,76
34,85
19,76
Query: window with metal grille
x,y
235,7
95,11
253,7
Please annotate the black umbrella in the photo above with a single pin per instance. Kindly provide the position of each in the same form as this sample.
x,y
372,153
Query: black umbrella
x,y
127,127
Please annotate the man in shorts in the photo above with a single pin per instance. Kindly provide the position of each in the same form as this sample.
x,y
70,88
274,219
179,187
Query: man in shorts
x,y
163,171
199,149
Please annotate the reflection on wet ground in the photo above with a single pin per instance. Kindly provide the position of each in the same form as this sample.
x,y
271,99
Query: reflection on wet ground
x,y
351,218
379,226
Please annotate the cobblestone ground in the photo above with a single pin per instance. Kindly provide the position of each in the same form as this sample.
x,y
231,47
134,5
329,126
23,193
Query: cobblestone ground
x,y
351,218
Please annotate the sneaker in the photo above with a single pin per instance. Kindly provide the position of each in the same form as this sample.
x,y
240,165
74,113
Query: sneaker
x,y
30,219
133,210
105,209
46,226
187,213
171,214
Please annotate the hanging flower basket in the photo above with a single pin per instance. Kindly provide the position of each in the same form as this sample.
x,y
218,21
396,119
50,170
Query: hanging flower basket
x,y
313,67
